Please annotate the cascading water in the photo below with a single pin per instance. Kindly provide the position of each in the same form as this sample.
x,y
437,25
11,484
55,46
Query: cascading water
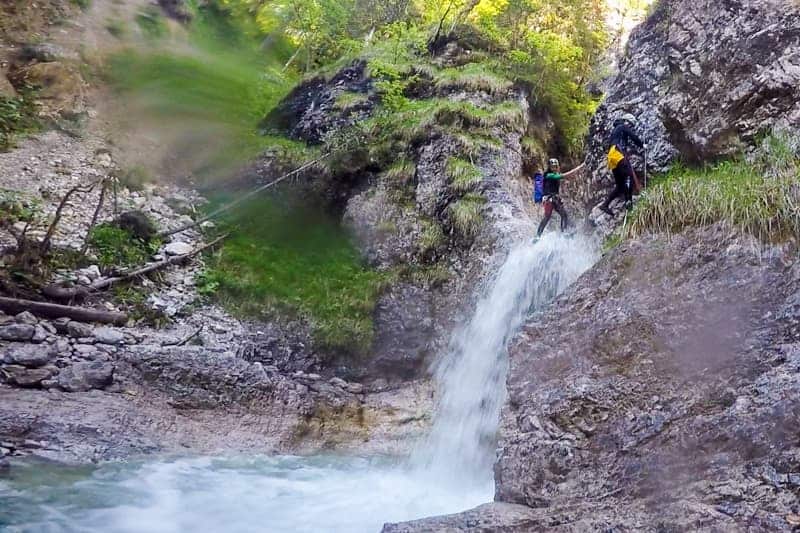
x,y
449,472
471,377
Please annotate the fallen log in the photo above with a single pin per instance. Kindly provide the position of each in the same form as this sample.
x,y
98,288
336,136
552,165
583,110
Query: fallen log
x,y
48,310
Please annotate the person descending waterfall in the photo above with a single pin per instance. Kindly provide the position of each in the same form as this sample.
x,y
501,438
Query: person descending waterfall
x,y
551,198
619,163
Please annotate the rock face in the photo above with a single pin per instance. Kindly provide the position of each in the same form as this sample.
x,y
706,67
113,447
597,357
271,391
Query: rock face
x,y
705,80
662,389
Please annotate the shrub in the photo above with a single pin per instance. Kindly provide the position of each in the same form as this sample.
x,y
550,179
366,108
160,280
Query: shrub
x,y
117,247
17,116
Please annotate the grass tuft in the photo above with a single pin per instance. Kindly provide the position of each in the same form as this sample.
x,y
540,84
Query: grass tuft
x,y
463,175
432,236
467,214
760,197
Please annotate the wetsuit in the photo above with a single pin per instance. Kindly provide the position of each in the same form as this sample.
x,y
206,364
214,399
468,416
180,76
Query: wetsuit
x,y
551,201
623,172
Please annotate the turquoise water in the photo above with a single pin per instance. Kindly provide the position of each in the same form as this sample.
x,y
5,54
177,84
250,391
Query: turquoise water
x,y
261,494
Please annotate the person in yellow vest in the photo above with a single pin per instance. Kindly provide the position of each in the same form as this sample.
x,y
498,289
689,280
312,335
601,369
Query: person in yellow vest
x,y
622,135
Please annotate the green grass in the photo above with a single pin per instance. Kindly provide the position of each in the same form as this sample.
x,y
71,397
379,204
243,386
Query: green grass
x,y
472,77
761,198
17,207
282,259
467,214
17,117
151,23
401,173
432,236
116,247
463,175
348,100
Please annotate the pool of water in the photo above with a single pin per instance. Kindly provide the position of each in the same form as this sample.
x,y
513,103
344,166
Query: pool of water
x,y
253,494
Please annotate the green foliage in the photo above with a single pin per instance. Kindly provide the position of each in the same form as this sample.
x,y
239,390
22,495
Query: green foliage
x,y
83,4
116,247
151,22
17,117
17,207
463,175
291,259
216,91
116,28
759,197
467,215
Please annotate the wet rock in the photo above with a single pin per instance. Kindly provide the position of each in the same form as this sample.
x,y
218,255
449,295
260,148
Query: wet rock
x,y
109,336
79,330
26,377
85,376
495,517
650,355
17,332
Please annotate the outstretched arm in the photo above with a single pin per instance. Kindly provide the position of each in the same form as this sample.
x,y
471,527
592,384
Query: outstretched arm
x,y
574,171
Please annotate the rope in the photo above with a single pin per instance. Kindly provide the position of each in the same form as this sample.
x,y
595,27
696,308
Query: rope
x,y
241,199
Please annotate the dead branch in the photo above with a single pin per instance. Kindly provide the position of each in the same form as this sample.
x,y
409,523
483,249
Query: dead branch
x,y
108,282
67,293
186,339
48,310
45,245
95,216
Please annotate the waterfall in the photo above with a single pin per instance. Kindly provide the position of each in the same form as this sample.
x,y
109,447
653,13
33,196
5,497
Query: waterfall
x,y
471,376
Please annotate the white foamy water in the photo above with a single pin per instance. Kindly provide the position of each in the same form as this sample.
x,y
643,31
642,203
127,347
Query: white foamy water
x,y
471,377
450,472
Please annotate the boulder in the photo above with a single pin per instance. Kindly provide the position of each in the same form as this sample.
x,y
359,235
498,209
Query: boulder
x,y
137,224
29,355
109,336
59,87
26,318
26,377
78,330
17,332
85,376
178,248
46,53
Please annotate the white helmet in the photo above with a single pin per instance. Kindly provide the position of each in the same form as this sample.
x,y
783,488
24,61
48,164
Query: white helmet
x,y
553,163
628,117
